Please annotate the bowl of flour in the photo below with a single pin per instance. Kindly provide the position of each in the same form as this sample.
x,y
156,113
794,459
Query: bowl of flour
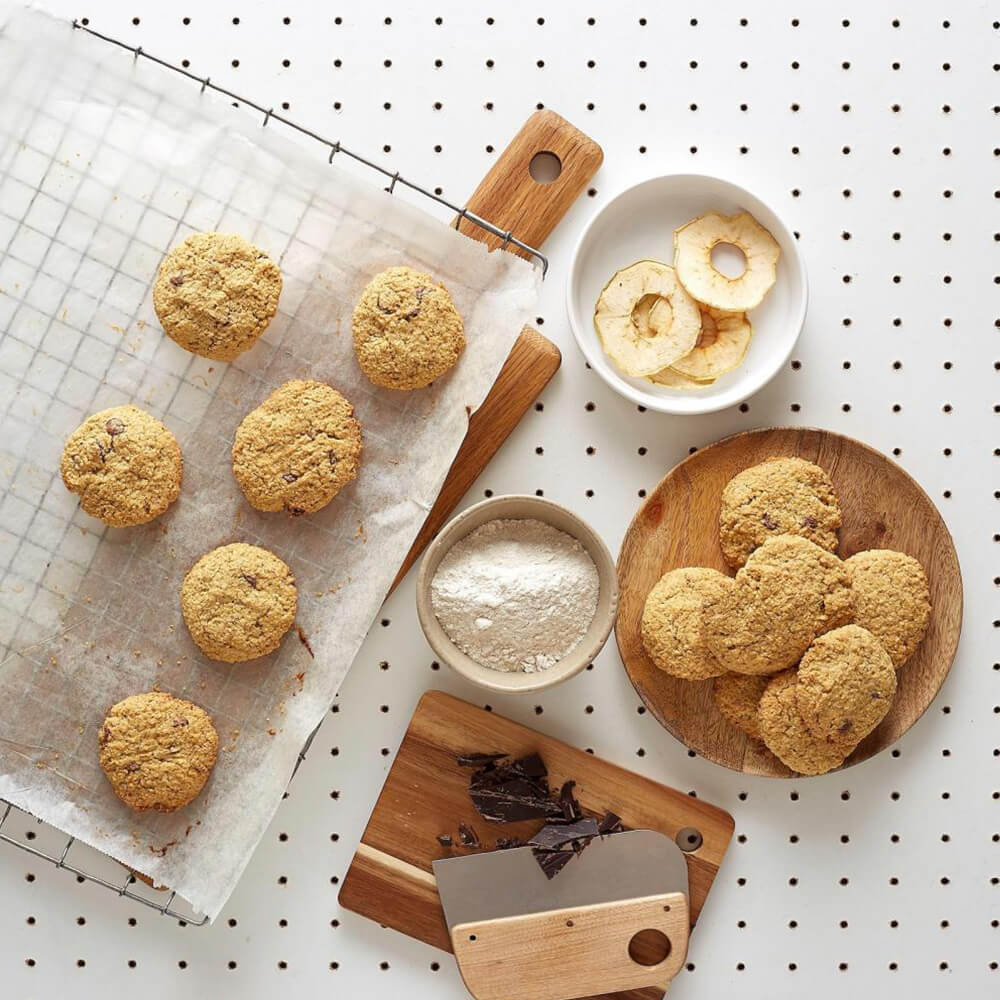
x,y
517,594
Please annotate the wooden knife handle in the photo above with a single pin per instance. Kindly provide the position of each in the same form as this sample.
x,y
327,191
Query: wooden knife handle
x,y
514,201
577,952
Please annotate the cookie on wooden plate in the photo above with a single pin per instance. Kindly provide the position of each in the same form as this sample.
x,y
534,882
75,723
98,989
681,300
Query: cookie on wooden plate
x,y
737,696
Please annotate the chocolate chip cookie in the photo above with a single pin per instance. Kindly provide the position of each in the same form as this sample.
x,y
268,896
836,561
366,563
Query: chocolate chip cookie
x,y
157,750
215,294
124,464
672,622
789,592
407,331
891,599
737,697
238,602
298,449
782,496
786,734
846,685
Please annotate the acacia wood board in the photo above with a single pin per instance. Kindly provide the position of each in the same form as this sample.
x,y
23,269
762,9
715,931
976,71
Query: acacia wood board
x,y
427,793
512,200
883,508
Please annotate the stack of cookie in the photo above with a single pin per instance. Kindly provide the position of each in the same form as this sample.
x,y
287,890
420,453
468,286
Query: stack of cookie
x,y
215,295
802,647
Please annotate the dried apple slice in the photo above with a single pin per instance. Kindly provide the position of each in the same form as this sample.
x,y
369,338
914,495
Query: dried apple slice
x,y
722,345
645,319
693,245
674,380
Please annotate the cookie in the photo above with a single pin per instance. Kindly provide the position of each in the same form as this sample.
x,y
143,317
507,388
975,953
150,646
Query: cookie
x,y
124,464
238,602
298,449
407,331
891,600
157,750
672,622
782,496
789,592
737,697
846,685
785,733
215,294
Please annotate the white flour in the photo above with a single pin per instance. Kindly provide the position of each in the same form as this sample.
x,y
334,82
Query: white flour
x,y
516,594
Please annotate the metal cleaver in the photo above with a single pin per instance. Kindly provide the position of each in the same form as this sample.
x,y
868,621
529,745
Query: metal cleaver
x,y
615,918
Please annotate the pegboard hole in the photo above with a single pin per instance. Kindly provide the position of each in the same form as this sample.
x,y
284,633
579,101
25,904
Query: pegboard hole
x,y
649,947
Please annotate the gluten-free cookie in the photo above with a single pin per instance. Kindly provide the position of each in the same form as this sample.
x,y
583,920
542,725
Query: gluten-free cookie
x,y
124,465
789,592
407,331
786,734
157,750
846,685
672,632
782,496
891,599
215,294
298,449
737,697
238,602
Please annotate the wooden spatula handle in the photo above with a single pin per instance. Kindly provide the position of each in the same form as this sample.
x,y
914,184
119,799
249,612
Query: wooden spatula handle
x,y
578,952
514,201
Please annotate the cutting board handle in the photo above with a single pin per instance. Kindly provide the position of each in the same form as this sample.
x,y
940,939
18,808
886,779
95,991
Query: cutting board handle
x,y
511,198
577,952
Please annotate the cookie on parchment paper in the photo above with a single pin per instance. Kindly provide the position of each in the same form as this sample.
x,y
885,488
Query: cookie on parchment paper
x,y
781,496
215,294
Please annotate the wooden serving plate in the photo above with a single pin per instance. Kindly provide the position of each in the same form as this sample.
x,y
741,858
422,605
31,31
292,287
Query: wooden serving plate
x,y
883,508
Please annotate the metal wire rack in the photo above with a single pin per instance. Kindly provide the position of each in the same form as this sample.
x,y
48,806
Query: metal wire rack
x,y
124,882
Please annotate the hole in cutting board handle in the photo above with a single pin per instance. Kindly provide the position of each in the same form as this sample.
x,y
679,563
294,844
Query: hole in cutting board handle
x,y
545,167
649,947
689,839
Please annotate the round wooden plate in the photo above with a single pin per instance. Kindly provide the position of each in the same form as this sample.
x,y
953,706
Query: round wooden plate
x,y
883,508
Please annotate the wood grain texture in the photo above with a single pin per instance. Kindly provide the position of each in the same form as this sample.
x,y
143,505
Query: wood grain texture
x,y
527,370
514,201
883,507
426,794
571,953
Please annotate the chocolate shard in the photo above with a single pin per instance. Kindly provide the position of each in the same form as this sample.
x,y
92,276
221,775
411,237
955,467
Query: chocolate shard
x,y
567,801
479,759
531,766
444,839
553,836
507,843
467,836
553,862
611,823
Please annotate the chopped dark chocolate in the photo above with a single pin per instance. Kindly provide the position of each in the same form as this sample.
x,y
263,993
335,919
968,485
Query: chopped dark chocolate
x,y
510,792
610,824
567,801
478,759
444,839
467,836
552,836
553,862
507,843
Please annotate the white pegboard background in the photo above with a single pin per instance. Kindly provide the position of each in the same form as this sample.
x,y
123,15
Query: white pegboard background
x,y
874,130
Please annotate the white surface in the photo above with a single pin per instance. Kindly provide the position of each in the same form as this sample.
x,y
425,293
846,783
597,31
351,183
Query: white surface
x,y
893,862
638,224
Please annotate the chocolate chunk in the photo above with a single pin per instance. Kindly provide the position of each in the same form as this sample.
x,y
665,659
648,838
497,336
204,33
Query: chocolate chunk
x,y
444,839
252,580
478,759
290,477
810,522
509,792
531,766
553,862
115,427
553,836
769,523
567,801
332,455
179,722
295,511
467,836
177,280
507,843
610,824
132,766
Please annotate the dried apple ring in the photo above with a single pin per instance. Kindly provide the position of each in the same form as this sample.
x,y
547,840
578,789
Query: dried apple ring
x,y
645,319
722,345
693,245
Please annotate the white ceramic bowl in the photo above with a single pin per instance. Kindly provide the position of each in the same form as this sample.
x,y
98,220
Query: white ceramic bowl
x,y
639,223
517,507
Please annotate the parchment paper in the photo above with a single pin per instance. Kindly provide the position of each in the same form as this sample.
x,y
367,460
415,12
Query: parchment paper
x,y
105,163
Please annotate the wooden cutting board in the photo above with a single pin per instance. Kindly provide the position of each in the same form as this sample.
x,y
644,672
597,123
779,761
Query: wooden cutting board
x,y
511,199
426,794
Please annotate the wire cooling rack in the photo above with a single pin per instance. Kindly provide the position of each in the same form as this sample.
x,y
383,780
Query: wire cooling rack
x,y
47,842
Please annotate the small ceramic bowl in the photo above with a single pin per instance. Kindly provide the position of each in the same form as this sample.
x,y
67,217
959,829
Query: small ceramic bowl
x,y
639,223
518,507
